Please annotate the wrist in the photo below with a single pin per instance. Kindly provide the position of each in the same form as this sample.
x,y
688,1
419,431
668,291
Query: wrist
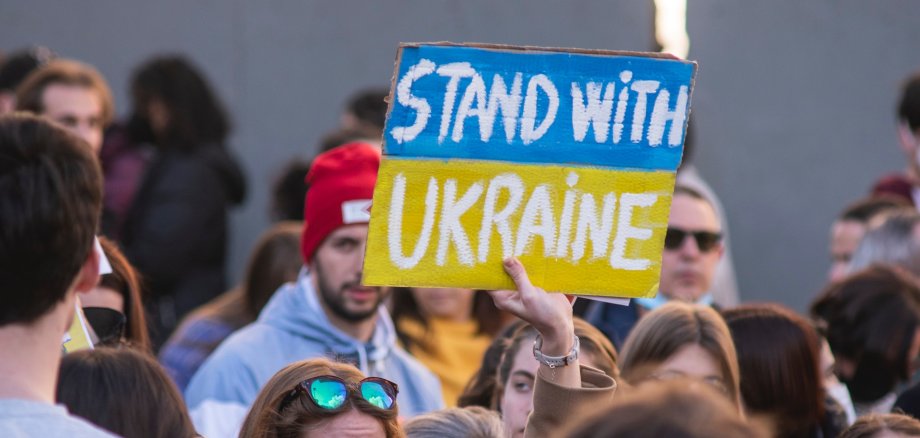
x,y
558,342
553,360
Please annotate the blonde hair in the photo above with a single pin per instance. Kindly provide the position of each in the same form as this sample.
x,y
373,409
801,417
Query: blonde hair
x,y
664,331
266,419
469,422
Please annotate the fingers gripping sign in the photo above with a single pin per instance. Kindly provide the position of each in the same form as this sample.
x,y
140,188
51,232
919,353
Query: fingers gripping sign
x,y
549,313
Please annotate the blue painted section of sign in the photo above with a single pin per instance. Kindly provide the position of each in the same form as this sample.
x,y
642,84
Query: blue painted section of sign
x,y
519,108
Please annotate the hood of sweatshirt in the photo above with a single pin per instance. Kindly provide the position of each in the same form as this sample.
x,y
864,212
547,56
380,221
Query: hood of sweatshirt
x,y
295,309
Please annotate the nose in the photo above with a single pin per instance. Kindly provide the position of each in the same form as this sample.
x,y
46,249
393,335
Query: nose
x,y
688,247
89,133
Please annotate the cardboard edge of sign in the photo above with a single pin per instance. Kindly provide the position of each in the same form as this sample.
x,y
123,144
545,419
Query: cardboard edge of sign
x,y
531,49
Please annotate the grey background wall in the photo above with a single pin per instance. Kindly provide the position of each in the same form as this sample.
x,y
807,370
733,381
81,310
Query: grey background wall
x,y
793,104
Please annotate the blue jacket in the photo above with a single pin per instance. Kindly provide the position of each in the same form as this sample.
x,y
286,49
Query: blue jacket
x,y
294,327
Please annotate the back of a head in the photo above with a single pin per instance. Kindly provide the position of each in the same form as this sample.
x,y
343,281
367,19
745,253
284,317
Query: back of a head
x,y
274,261
778,355
470,422
664,331
893,243
267,419
18,65
368,108
864,210
123,391
674,409
909,106
871,318
883,425
50,201
289,192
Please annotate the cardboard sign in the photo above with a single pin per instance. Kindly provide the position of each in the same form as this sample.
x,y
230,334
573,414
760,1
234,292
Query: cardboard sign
x,y
79,336
563,158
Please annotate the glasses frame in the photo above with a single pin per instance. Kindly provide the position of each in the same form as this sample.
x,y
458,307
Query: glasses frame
x,y
706,241
352,389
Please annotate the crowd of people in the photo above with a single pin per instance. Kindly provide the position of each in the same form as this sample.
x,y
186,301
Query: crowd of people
x,y
122,224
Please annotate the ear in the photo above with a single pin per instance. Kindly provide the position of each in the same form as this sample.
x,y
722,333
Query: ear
x,y
88,277
907,137
720,250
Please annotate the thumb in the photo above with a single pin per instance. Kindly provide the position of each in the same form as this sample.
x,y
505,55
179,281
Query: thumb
x,y
518,274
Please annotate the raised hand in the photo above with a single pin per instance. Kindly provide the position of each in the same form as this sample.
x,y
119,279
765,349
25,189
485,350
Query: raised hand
x,y
549,313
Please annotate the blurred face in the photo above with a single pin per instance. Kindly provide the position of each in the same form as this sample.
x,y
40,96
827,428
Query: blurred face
x,y
103,297
845,237
337,269
76,107
452,303
687,271
352,423
692,361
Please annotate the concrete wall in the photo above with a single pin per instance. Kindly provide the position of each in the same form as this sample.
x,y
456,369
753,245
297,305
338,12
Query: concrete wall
x,y
284,68
793,104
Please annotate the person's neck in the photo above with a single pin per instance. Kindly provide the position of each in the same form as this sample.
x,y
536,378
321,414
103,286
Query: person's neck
x,y
361,330
31,355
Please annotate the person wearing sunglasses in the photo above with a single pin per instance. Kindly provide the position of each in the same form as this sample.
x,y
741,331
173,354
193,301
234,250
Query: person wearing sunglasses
x,y
318,397
692,249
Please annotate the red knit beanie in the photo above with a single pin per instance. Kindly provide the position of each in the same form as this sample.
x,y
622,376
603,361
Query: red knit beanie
x,y
341,186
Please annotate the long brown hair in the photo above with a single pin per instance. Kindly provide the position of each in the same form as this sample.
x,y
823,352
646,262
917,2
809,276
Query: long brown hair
x,y
870,318
275,260
267,420
124,391
125,280
778,355
664,331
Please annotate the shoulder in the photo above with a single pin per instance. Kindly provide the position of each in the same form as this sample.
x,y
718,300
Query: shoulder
x,y
234,372
20,418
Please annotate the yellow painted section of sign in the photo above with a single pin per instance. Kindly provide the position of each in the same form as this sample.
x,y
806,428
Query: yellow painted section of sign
x,y
576,229
77,337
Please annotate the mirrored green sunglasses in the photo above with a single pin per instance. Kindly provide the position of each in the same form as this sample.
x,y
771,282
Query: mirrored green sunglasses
x,y
330,392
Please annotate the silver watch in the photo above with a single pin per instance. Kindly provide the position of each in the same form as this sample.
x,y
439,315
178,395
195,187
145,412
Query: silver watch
x,y
554,361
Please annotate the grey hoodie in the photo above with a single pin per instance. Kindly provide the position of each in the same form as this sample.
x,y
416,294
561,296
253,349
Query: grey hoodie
x,y
293,327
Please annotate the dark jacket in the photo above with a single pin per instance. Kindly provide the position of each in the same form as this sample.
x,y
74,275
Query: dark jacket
x,y
175,233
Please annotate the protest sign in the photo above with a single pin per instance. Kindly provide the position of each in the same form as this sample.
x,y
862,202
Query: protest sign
x,y
563,158
79,335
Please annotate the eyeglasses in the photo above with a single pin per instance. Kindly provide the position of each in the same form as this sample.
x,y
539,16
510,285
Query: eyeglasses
x,y
705,240
330,392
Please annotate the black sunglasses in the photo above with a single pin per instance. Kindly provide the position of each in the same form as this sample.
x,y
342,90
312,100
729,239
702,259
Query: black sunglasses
x,y
330,392
705,240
